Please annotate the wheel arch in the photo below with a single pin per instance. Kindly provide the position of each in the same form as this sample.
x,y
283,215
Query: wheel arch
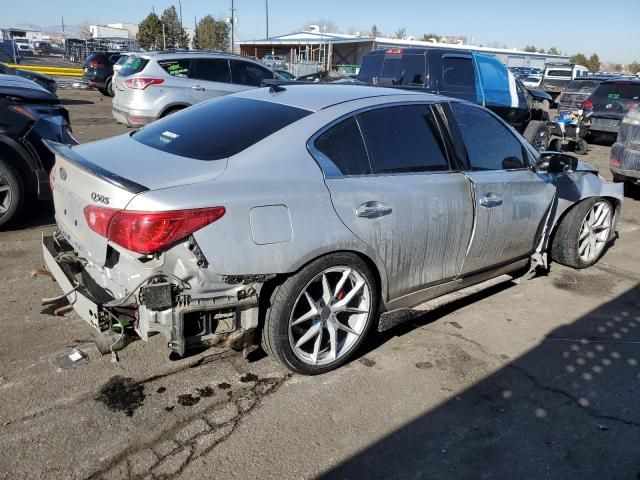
x,y
172,107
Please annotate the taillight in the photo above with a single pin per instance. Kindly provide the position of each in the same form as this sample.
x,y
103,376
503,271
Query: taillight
x,y
148,232
614,162
141,83
394,51
586,104
22,111
94,64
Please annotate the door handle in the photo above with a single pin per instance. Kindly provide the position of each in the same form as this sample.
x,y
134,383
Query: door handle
x,y
198,88
490,200
373,210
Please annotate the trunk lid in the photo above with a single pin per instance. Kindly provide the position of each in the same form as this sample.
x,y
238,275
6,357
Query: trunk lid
x,y
110,173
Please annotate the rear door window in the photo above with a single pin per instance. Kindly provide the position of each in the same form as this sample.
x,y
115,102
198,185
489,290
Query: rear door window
x,y
246,73
457,72
178,67
192,133
211,69
489,143
344,146
403,139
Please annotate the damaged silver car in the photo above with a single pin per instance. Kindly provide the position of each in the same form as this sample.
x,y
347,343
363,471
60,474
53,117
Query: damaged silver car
x,y
294,216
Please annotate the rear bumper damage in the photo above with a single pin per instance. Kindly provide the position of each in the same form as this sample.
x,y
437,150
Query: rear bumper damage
x,y
162,303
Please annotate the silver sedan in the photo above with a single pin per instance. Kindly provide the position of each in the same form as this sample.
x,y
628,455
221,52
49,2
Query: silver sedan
x,y
294,216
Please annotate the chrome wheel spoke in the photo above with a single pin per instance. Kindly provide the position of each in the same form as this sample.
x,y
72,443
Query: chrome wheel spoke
x,y
341,282
333,340
4,188
595,231
349,296
346,328
350,310
305,317
312,332
327,296
316,346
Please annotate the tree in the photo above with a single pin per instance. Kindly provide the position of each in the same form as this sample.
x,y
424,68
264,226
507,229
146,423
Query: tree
x,y
375,33
211,34
175,35
400,33
617,67
633,68
593,64
530,48
541,50
431,36
84,32
149,34
553,51
579,58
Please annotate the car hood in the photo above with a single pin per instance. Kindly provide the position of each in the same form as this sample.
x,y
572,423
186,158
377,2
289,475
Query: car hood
x,y
29,74
25,89
539,94
154,169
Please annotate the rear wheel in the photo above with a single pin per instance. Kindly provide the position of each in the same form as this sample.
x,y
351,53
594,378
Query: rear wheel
x,y
537,134
583,233
11,193
319,316
582,147
109,88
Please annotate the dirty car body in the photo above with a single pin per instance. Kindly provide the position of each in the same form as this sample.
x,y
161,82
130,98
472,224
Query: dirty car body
x,y
198,231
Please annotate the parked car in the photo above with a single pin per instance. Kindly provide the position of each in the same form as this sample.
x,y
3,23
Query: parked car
x,y
43,80
8,48
576,92
304,212
28,114
285,74
609,103
24,49
154,85
465,74
557,76
98,71
625,153
275,62
532,81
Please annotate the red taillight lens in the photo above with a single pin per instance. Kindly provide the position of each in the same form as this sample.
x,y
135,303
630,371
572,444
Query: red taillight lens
x,y
394,51
149,232
98,218
614,162
94,64
140,83
587,104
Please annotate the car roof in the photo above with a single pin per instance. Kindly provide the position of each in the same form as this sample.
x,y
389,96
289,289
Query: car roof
x,y
316,97
164,54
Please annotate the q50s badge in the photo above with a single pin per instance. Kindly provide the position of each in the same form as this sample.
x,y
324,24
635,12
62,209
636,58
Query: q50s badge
x,y
96,197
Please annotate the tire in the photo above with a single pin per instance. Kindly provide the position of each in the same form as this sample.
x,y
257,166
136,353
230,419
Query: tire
x,y
12,193
103,92
537,134
109,88
171,111
582,147
325,321
566,246
555,145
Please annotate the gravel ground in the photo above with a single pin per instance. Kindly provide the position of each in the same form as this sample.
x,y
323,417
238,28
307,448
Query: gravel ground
x,y
532,380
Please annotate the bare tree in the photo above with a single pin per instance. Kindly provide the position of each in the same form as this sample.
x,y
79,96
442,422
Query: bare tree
x,y
400,33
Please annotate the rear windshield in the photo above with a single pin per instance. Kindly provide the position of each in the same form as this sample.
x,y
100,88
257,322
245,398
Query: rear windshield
x,y
133,65
219,128
559,73
618,91
581,86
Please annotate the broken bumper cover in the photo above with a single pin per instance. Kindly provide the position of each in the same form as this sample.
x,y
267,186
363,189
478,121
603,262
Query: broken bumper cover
x,y
83,303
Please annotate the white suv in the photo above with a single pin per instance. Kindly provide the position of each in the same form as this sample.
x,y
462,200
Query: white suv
x,y
152,85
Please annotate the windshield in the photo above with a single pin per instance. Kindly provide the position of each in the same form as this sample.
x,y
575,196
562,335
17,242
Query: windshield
x,y
559,73
193,133
133,65
618,91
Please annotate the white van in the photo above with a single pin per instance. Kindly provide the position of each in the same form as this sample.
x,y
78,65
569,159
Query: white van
x,y
558,75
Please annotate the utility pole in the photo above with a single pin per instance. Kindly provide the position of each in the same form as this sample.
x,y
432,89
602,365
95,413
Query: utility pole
x,y
63,25
180,6
266,6
233,22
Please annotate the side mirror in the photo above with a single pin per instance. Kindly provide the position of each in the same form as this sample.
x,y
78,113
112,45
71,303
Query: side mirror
x,y
555,162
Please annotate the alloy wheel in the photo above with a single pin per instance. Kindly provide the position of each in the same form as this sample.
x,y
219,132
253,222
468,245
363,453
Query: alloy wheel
x,y
329,315
5,195
594,231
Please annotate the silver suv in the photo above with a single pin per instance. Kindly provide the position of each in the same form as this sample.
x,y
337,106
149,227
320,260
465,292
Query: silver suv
x,y
153,85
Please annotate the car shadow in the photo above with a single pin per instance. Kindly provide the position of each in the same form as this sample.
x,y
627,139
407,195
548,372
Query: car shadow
x,y
70,101
37,214
568,408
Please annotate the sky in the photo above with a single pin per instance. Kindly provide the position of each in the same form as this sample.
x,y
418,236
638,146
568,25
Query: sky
x,y
608,28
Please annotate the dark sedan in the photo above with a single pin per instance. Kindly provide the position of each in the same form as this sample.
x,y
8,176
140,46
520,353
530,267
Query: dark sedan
x,y
609,103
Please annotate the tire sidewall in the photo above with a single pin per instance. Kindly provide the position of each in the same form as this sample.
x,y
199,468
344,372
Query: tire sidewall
x,y
283,302
17,193
586,207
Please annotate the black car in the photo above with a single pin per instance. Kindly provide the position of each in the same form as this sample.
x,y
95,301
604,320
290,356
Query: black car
x,y
28,114
465,74
98,70
609,103
44,81
576,92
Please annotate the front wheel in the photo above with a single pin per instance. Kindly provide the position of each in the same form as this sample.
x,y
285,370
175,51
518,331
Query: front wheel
x,y
537,134
319,316
583,233
11,193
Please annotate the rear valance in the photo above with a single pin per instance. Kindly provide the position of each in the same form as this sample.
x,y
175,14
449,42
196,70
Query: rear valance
x,y
66,152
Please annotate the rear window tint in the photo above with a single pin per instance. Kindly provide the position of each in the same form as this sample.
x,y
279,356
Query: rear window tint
x,y
581,86
219,128
458,72
343,145
371,68
618,91
559,73
176,68
133,65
